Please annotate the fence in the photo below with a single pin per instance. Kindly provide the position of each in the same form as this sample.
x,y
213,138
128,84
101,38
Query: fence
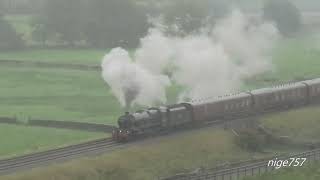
x,y
240,172
72,125
39,64
8,120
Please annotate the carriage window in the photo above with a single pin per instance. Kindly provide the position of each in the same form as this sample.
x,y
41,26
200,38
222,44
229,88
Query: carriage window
x,y
243,103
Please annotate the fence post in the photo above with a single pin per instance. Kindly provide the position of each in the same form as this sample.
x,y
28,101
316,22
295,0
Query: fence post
x,y
267,168
238,173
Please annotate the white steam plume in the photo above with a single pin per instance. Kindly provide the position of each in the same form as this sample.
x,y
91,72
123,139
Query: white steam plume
x,y
207,64
125,76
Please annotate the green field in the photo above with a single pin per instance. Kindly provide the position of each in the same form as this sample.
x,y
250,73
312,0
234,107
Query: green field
x,y
301,125
56,95
68,56
293,60
17,140
297,58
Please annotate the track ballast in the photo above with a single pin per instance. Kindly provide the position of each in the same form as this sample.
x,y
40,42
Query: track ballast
x,y
25,162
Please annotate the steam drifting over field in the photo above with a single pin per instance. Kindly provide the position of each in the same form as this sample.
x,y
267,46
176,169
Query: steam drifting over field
x,y
211,63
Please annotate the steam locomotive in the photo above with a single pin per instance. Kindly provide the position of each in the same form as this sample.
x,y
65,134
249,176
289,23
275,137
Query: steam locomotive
x,y
221,108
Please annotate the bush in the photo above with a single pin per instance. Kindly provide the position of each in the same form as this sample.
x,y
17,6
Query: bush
x,y
285,14
9,39
251,139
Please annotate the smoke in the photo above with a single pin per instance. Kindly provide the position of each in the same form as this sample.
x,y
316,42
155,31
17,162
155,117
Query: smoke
x,y
204,68
246,43
211,63
130,82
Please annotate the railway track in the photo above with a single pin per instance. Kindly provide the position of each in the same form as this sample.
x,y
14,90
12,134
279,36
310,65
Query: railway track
x,y
29,161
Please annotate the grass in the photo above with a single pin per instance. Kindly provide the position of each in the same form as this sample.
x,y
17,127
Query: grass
x,y
161,157
59,95
308,172
17,140
297,58
67,56
293,60
56,94
301,125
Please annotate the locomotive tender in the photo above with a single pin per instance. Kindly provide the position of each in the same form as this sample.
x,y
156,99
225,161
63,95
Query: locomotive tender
x,y
221,108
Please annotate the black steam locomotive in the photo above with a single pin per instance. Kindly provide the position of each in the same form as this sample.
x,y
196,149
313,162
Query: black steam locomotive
x,y
221,108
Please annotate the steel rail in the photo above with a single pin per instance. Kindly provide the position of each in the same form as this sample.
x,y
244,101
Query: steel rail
x,y
11,165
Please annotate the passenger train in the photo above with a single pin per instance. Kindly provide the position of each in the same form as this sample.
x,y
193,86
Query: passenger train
x,y
222,108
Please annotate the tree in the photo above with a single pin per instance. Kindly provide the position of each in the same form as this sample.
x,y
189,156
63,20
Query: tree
x,y
115,23
99,23
9,39
62,19
285,14
189,16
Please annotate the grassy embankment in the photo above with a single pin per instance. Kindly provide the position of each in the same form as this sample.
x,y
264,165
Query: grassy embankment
x,y
303,173
301,124
161,157
17,140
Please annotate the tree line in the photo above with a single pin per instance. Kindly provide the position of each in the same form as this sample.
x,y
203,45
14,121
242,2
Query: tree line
x,y
111,23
